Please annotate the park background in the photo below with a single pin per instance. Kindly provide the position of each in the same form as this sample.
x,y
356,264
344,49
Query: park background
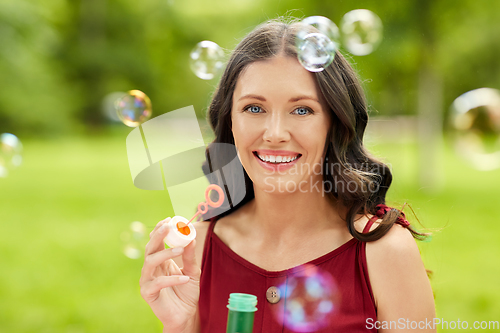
x,y
63,211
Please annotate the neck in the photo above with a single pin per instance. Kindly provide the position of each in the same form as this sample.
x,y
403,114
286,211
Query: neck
x,y
294,214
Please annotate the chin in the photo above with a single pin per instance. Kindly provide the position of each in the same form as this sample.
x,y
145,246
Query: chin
x,y
279,184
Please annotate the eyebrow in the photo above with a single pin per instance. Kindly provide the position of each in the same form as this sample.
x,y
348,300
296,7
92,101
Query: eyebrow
x,y
292,100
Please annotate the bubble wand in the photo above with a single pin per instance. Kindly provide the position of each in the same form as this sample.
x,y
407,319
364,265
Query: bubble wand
x,y
209,201
182,231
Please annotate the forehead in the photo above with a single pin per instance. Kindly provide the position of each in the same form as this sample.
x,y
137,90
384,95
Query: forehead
x,y
278,76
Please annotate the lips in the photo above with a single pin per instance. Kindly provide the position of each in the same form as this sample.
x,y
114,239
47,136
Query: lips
x,y
277,166
276,159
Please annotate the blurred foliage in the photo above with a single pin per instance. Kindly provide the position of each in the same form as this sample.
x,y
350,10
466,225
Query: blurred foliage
x,y
59,59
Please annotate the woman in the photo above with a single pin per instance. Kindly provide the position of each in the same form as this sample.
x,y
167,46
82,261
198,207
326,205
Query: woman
x,y
284,121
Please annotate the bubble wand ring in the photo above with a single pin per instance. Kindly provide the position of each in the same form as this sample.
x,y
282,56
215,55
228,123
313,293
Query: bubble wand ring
x,y
183,231
203,206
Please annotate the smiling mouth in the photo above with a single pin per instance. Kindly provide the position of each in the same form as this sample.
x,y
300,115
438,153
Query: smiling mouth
x,y
277,159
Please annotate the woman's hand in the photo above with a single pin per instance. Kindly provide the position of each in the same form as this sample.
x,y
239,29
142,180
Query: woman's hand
x,y
171,292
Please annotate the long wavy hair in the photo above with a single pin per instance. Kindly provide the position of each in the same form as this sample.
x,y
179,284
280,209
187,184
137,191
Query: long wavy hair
x,y
361,181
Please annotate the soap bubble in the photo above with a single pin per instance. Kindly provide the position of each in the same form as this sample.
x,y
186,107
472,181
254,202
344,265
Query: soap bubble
x,y
317,43
10,153
108,105
316,52
362,31
133,108
309,299
475,118
319,24
207,60
134,240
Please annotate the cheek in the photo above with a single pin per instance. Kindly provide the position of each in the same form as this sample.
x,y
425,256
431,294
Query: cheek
x,y
240,138
311,132
312,138
236,132
243,132
241,143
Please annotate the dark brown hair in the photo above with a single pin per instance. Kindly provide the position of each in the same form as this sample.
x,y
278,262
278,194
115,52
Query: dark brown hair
x,y
346,155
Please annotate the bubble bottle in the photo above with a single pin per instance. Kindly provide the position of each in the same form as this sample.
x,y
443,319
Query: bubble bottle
x,y
182,231
241,313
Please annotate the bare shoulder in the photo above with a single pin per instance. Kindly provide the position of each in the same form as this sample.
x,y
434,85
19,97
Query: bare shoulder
x,y
398,277
397,239
393,259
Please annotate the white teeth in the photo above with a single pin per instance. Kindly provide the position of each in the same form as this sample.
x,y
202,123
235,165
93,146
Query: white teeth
x,y
277,159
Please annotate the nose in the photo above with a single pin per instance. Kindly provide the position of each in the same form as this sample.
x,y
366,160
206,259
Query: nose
x,y
276,130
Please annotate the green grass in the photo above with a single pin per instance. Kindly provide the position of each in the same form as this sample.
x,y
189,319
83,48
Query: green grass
x,y
62,213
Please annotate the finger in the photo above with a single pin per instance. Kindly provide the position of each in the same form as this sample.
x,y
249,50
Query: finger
x,y
150,290
158,225
154,260
155,244
189,260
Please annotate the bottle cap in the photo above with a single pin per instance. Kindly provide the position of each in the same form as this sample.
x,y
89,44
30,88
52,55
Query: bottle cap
x,y
181,232
242,302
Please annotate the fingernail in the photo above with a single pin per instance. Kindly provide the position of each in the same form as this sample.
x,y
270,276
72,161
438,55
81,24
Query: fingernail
x,y
184,278
177,250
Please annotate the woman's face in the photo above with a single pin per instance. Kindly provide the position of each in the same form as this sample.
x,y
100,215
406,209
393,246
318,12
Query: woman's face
x,y
279,115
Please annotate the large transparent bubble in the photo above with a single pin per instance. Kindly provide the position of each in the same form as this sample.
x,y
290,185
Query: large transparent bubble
x,y
309,300
134,108
316,42
361,31
321,25
207,60
134,240
316,52
475,118
10,153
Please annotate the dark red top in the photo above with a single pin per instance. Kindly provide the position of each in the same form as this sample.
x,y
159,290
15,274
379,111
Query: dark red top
x,y
224,272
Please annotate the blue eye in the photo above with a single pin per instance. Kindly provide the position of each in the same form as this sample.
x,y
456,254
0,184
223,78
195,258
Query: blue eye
x,y
302,111
254,109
